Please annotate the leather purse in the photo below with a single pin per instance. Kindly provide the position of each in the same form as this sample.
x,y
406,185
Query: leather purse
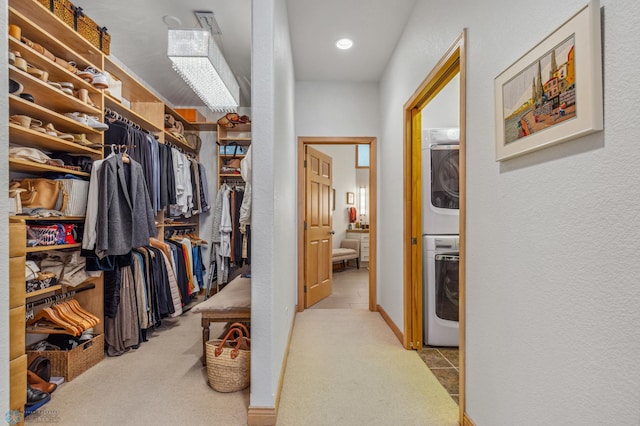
x,y
41,193
234,162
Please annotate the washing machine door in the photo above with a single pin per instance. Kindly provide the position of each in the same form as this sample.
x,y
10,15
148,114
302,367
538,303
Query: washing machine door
x,y
447,290
445,176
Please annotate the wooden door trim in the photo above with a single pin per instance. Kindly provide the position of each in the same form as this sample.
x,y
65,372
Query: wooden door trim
x,y
373,179
429,88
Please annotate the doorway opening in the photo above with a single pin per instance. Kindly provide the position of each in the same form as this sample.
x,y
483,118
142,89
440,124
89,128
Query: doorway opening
x,y
303,253
451,65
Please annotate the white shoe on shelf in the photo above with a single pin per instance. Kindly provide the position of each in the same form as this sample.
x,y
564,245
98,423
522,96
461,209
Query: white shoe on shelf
x,y
95,77
78,116
88,120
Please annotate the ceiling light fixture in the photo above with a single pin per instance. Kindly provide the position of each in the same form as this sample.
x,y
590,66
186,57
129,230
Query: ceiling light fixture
x,y
200,63
344,43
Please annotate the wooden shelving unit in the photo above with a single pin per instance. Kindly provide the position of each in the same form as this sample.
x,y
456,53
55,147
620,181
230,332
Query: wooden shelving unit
x,y
240,135
51,104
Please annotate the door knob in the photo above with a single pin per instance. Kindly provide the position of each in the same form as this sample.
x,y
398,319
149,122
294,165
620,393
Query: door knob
x,y
332,232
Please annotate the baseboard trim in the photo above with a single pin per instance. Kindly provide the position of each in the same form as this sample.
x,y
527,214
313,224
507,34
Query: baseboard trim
x,y
267,416
262,416
466,421
391,324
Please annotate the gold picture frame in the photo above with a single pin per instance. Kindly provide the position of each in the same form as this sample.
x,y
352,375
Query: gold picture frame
x,y
351,198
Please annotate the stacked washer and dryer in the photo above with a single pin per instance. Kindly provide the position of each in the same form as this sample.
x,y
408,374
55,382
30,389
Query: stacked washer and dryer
x,y
440,224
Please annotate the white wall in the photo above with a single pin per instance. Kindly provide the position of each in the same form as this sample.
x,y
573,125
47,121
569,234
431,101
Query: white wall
x,y
274,244
444,109
552,237
4,227
344,180
331,108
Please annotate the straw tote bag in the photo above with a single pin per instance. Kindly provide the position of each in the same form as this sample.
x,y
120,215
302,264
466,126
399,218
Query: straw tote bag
x,y
228,360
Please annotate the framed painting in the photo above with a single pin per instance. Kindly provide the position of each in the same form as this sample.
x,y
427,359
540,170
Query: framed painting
x,y
351,198
553,93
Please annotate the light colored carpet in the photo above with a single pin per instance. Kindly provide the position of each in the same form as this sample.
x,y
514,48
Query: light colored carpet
x,y
161,383
346,367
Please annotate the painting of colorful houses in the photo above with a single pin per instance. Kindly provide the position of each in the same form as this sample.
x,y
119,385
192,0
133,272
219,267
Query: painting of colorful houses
x,y
542,95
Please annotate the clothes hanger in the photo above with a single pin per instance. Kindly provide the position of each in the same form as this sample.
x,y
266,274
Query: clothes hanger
x,y
125,156
48,319
75,307
65,313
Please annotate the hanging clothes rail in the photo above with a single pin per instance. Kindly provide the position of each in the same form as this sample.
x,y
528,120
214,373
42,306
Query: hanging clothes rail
x,y
52,300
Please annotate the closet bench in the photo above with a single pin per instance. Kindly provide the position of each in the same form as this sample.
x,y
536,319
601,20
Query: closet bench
x,y
231,304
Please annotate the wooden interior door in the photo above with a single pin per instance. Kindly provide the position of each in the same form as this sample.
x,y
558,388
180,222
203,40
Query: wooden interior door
x,y
318,232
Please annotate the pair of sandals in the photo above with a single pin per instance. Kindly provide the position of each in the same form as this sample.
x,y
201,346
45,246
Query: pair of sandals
x,y
232,119
37,125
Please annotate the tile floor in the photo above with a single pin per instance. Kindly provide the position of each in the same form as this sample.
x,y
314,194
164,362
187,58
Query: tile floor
x,y
444,364
351,291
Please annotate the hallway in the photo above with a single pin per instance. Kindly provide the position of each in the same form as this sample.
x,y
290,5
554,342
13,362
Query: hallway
x,y
346,367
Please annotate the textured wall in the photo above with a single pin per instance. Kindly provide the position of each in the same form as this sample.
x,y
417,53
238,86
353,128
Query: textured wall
x,y
553,236
332,108
273,265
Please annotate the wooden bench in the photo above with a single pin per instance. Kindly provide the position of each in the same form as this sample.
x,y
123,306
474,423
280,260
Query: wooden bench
x,y
349,249
231,304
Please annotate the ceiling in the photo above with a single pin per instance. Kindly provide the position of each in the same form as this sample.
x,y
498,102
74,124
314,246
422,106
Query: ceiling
x,y
139,38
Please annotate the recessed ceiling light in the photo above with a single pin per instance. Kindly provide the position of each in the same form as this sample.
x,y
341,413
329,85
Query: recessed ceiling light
x,y
172,21
344,43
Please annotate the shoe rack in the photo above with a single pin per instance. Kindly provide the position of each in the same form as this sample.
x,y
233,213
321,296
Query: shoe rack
x,y
138,104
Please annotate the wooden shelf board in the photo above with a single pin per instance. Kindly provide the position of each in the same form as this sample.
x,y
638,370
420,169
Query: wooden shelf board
x,y
132,89
23,136
168,109
17,105
238,128
230,175
168,137
231,155
18,165
47,248
113,104
49,97
50,30
52,218
43,291
204,126
240,141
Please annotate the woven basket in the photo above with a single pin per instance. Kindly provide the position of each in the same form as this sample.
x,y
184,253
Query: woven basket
x,y
63,9
70,364
93,32
229,361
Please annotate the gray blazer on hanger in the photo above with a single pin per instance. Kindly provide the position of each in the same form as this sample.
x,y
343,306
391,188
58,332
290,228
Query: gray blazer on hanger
x,y
125,215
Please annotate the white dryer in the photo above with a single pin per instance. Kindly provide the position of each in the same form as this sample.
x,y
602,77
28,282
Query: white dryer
x,y
441,181
440,291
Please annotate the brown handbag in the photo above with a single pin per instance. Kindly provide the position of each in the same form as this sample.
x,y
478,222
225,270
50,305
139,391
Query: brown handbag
x,y
234,161
41,193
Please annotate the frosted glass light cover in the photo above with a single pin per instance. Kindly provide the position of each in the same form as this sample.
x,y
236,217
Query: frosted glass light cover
x,y
200,63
